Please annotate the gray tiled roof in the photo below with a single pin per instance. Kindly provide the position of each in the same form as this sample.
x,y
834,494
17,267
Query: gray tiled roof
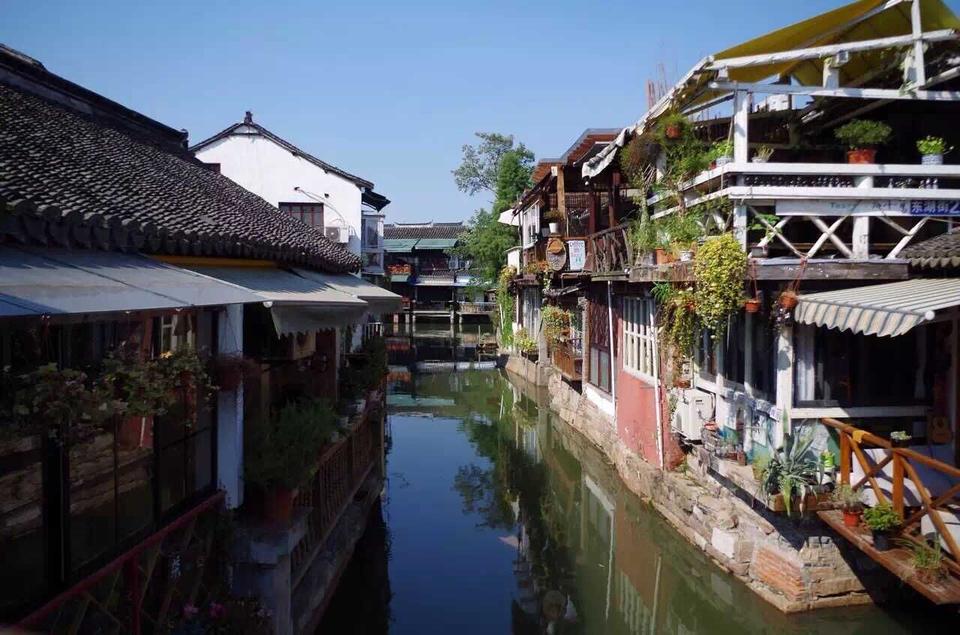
x,y
939,251
426,230
77,180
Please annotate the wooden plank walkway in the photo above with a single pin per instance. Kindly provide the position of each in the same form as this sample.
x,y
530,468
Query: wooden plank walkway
x,y
897,561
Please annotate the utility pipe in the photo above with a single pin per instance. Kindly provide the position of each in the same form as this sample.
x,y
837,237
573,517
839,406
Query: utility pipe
x,y
613,357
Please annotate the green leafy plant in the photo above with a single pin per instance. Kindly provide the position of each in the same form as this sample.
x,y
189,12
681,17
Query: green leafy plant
x,y
685,157
282,450
847,498
643,233
680,230
791,471
555,322
926,558
138,383
881,517
503,317
719,149
524,342
720,268
932,145
759,466
863,133
536,267
678,315
900,436
58,401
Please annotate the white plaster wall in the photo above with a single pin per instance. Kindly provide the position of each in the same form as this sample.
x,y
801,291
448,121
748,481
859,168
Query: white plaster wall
x,y
271,172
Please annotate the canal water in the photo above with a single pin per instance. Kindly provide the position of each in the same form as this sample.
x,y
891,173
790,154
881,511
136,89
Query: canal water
x,y
499,518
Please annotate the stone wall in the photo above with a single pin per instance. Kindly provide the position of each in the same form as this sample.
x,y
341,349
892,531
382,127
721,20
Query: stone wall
x,y
796,565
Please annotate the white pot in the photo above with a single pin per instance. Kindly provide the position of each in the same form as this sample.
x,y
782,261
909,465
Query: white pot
x,y
686,256
758,160
932,159
554,228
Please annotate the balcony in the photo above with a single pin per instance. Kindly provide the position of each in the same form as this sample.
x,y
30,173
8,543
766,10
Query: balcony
x,y
568,359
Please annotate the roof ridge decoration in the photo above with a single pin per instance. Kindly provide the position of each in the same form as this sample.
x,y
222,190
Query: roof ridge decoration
x,y
248,122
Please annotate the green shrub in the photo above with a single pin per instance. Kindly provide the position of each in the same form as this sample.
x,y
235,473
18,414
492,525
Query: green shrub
x,y
283,449
881,517
863,133
720,268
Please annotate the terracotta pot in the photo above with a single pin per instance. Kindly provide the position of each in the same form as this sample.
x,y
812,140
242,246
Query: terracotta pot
x,y
851,517
278,504
741,457
862,155
664,256
672,131
788,300
681,383
752,305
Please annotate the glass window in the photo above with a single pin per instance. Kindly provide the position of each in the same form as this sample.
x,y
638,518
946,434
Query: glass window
x,y
638,336
309,213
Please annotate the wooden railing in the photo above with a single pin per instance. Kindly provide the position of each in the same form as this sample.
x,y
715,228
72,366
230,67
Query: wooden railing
x,y
609,250
903,485
477,307
568,358
341,471
148,587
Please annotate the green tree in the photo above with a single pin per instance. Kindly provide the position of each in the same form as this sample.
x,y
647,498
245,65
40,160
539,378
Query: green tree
x,y
480,167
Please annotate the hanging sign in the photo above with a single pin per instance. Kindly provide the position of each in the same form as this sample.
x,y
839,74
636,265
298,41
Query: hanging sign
x,y
578,254
556,254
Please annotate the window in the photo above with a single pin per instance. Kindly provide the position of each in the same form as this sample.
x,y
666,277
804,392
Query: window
x,y
600,341
370,230
309,213
638,336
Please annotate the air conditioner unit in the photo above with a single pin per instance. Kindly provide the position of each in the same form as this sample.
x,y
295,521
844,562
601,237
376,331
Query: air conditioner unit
x,y
337,234
694,409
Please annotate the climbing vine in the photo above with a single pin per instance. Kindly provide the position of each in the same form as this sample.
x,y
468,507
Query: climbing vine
x,y
505,305
720,268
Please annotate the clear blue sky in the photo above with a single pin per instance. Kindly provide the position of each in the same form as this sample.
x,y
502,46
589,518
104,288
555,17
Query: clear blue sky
x,y
389,90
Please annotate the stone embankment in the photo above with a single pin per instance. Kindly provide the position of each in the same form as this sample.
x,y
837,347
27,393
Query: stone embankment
x,y
796,565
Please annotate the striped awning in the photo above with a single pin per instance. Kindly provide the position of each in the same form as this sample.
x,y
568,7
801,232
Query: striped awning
x,y
885,310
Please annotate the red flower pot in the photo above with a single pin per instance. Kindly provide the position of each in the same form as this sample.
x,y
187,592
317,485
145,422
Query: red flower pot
x,y
788,300
752,305
672,131
862,155
851,517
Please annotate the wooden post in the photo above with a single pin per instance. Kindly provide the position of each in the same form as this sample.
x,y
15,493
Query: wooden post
x,y
741,122
562,200
612,200
592,220
897,494
846,458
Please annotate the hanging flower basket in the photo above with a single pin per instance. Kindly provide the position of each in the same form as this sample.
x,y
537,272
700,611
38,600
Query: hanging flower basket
x,y
788,300
752,305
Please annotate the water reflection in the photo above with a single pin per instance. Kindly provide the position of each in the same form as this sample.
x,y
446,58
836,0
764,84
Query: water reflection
x,y
502,519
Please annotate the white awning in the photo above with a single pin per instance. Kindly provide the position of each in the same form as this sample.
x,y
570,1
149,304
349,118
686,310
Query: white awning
x,y
885,310
297,304
54,281
380,300
509,217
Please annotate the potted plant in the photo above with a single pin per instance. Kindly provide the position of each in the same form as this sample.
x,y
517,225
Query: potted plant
x,y
927,559
763,154
722,152
863,136
759,466
932,150
281,452
719,270
849,501
673,125
526,344
900,439
790,472
883,521
643,236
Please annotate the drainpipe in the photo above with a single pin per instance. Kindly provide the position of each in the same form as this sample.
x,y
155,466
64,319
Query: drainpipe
x,y
613,357
658,389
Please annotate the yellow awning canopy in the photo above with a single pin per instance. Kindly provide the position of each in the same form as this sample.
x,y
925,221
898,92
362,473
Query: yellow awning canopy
x,y
857,21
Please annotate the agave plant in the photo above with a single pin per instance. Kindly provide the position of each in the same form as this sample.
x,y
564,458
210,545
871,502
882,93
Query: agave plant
x,y
791,471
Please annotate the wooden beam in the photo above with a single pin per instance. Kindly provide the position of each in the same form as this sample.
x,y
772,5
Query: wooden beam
x,y
907,238
851,93
820,52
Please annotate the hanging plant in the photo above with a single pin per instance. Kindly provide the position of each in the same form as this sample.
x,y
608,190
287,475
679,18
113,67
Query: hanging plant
x,y
677,314
719,268
136,382
60,402
505,305
556,323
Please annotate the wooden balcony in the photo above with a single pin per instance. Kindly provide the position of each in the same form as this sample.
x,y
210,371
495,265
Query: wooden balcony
x,y
609,251
568,358
924,491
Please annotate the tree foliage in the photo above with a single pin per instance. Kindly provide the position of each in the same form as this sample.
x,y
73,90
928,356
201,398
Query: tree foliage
x,y
480,167
495,165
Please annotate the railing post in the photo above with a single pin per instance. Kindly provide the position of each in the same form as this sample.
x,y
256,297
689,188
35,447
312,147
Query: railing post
x,y
846,458
897,494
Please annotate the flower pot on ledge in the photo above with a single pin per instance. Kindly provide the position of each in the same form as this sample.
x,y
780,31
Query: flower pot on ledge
x,y
851,517
862,155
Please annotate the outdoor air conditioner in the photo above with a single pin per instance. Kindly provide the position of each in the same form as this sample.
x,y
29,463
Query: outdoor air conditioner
x,y
694,409
337,234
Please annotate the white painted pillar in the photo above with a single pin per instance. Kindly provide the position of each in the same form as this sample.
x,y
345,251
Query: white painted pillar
x,y
230,411
740,223
785,365
861,237
919,68
741,120
748,319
